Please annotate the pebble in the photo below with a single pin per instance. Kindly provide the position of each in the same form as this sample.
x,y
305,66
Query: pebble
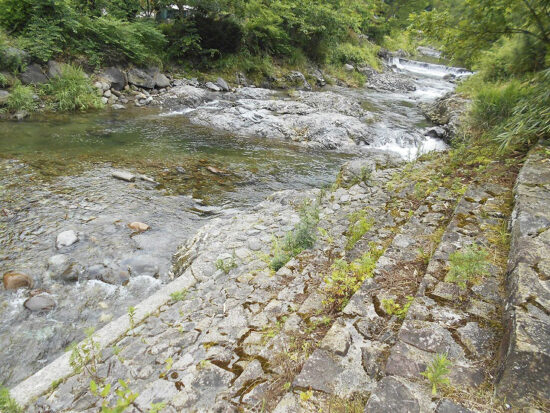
x,y
66,239
138,226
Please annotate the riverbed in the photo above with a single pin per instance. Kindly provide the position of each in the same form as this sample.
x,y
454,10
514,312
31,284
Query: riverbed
x,y
220,155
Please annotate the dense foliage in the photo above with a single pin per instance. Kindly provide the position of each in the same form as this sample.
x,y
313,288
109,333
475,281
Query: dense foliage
x,y
507,43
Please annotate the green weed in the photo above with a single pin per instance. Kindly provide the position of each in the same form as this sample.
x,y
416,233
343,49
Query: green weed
x,y
393,308
465,265
227,265
179,295
437,372
21,98
359,225
7,404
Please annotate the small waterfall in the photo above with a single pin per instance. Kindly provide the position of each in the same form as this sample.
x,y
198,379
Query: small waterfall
x,y
426,69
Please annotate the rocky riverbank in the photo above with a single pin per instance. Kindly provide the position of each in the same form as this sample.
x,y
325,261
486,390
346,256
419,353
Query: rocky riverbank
x,y
231,334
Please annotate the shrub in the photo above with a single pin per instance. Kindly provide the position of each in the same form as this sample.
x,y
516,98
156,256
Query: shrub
x,y
43,39
73,91
467,264
494,103
3,81
345,279
21,98
365,53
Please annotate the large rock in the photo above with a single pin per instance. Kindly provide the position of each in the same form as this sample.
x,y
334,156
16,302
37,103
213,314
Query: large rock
x,y
4,95
223,84
33,75
12,58
116,77
55,69
141,78
14,280
525,354
161,81
446,111
298,80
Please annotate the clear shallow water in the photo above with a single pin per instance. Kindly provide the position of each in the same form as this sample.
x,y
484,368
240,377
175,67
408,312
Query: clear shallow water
x,y
170,150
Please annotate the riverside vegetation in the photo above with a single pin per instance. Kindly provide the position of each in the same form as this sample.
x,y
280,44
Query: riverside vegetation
x,y
505,42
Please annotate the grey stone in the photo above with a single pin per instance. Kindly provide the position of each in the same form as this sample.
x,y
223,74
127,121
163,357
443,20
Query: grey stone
x,y
55,69
213,87
140,78
116,78
223,84
318,372
252,371
161,81
349,68
124,176
479,341
391,395
448,406
4,95
33,75
40,302
66,239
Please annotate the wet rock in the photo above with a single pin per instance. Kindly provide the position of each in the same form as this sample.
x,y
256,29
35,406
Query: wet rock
x,y
141,264
33,75
40,302
223,84
138,226
20,115
391,395
124,176
66,239
446,111
54,69
140,78
62,267
14,280
118,107
298,80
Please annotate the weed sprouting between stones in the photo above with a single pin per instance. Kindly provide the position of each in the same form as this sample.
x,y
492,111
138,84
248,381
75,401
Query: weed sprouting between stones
x,y
302,237
359,224
437,372
226,266
7,404
86,356
393,308
466,264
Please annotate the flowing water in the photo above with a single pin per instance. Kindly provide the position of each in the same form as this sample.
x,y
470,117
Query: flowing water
x,y
56,175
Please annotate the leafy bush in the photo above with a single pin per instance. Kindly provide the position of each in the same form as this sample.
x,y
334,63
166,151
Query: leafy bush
x,y
467,264
365,53
21,98
105,39
359,224
43,39
3,80
511,57
73,91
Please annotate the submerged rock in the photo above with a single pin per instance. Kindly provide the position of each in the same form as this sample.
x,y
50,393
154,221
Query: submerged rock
x,y
66,239
40,302
15,280
138,226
